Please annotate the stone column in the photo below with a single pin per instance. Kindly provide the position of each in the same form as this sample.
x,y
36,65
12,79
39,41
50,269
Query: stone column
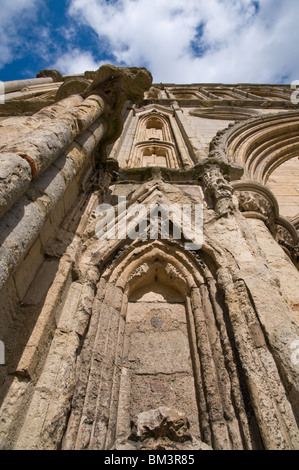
x,y
17,85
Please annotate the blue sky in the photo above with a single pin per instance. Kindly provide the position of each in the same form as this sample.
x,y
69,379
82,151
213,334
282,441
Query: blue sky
x,y
179,41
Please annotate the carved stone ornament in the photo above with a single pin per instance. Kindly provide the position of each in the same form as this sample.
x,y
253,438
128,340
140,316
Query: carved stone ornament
x,y
161,429
255,200
218,190
72,87
55,74
251,201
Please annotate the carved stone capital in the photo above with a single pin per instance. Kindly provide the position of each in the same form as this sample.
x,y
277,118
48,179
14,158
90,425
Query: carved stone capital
x,y
161,429
288,239
55,74
218,142
257,201
217,157
118,83
72,86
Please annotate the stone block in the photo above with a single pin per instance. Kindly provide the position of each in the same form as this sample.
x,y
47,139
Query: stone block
x,y
70,196
41,283
159,352
28,268
19,229
50,228
9,301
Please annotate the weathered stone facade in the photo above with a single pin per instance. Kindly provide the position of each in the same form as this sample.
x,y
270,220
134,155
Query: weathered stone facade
x,y
145,342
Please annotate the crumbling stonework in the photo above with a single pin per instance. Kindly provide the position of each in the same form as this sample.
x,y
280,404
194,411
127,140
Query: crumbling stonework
x,y
147,342
161,429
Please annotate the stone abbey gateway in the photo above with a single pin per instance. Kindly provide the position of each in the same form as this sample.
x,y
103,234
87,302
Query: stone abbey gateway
x,y
140,342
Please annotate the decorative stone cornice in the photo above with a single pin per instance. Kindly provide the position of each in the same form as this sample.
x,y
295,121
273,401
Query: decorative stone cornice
x,y
183,175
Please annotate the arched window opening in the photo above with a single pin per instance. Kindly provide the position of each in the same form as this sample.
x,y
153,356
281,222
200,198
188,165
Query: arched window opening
x,y
154,129
154,157
185,96
162,345
158,356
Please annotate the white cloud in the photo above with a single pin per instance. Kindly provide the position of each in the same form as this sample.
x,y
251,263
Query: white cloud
x,y
242,43
76,61
238,42
14,15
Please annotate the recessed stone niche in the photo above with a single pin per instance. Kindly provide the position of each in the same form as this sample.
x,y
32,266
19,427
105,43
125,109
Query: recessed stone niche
x,y
157,362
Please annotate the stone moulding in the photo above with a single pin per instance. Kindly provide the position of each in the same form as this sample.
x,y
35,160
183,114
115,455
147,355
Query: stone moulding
x,y
232,113
72,86
138,265
231,171
45,144
46,161
249,144
260,144
49,140
52,73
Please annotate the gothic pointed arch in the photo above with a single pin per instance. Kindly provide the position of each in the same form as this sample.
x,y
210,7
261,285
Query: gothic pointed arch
x,y
263,143
268,148
155,140
167,346
154,143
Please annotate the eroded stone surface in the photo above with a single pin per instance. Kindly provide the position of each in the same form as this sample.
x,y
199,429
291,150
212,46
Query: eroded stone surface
x,y
141,343
15,177
161,429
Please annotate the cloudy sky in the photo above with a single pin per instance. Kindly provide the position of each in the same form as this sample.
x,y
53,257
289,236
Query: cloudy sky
x,y
179,41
